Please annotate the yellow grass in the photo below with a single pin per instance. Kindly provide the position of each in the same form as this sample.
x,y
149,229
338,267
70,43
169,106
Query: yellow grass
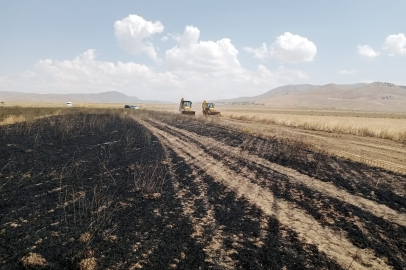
x,y
90,105
379,127
15,114
372,124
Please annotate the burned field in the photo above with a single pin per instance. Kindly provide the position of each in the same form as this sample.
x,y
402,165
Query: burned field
x,y
87,191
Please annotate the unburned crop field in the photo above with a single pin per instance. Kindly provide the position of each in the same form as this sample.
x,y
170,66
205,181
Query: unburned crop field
x,y
152,191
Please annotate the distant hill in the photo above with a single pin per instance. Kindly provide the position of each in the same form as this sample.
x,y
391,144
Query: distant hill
x,y
279,91
105,97
377,96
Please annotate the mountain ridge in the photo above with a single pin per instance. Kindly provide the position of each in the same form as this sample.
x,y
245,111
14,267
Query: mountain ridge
x,y
379,96
103,97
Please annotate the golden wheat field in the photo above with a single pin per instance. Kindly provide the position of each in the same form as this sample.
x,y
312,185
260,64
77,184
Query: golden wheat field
x,y
371,124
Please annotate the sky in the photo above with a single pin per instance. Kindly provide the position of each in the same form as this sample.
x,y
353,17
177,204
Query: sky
x,y
165,50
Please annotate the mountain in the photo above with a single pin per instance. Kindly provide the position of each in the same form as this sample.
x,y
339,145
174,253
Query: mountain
x,y
283,90
279,91
105,97
377,96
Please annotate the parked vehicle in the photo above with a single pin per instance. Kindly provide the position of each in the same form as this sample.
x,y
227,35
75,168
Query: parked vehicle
x,y
131,107
69,104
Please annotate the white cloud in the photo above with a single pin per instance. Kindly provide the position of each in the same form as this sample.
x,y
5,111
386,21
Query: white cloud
x,y
193,69
85,74
367,81
287,48
194,80
192,55
260,53
132,31
367,52
293,49
348,72
164,38
396,44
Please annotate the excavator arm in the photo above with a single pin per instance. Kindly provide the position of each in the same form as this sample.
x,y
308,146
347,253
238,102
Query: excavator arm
x,y
181,104
204,107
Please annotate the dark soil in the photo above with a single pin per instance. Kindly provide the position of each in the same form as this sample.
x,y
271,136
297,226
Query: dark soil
x,y
65,176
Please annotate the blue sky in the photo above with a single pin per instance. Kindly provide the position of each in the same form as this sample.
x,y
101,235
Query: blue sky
x,y
305,42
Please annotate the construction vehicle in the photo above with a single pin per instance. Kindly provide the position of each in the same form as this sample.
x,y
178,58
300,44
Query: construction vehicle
x,y
185,107
208,109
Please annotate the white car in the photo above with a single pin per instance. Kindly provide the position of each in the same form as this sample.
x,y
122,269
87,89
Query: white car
x,y
69,104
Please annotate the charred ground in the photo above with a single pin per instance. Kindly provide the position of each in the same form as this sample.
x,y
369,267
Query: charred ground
x,y
119,192
76,187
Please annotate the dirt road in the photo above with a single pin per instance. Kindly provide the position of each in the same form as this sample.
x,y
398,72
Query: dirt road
x,y
250,212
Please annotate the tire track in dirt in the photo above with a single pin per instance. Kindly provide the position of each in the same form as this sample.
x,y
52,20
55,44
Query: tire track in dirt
x,y
329,189
206,229
363,228
384,187
375,162
250,238
308,229
356,178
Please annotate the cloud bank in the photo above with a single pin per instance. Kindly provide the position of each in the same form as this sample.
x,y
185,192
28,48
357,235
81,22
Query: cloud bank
x,y
86,74
192,68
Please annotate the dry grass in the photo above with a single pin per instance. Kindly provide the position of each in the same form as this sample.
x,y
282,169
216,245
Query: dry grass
x,y
11,115
34,261
85,237
385,128
88,264
390,126
16,114
150,106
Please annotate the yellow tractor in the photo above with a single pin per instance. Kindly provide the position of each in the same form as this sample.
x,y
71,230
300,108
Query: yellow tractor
x,y
208,109
185,107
